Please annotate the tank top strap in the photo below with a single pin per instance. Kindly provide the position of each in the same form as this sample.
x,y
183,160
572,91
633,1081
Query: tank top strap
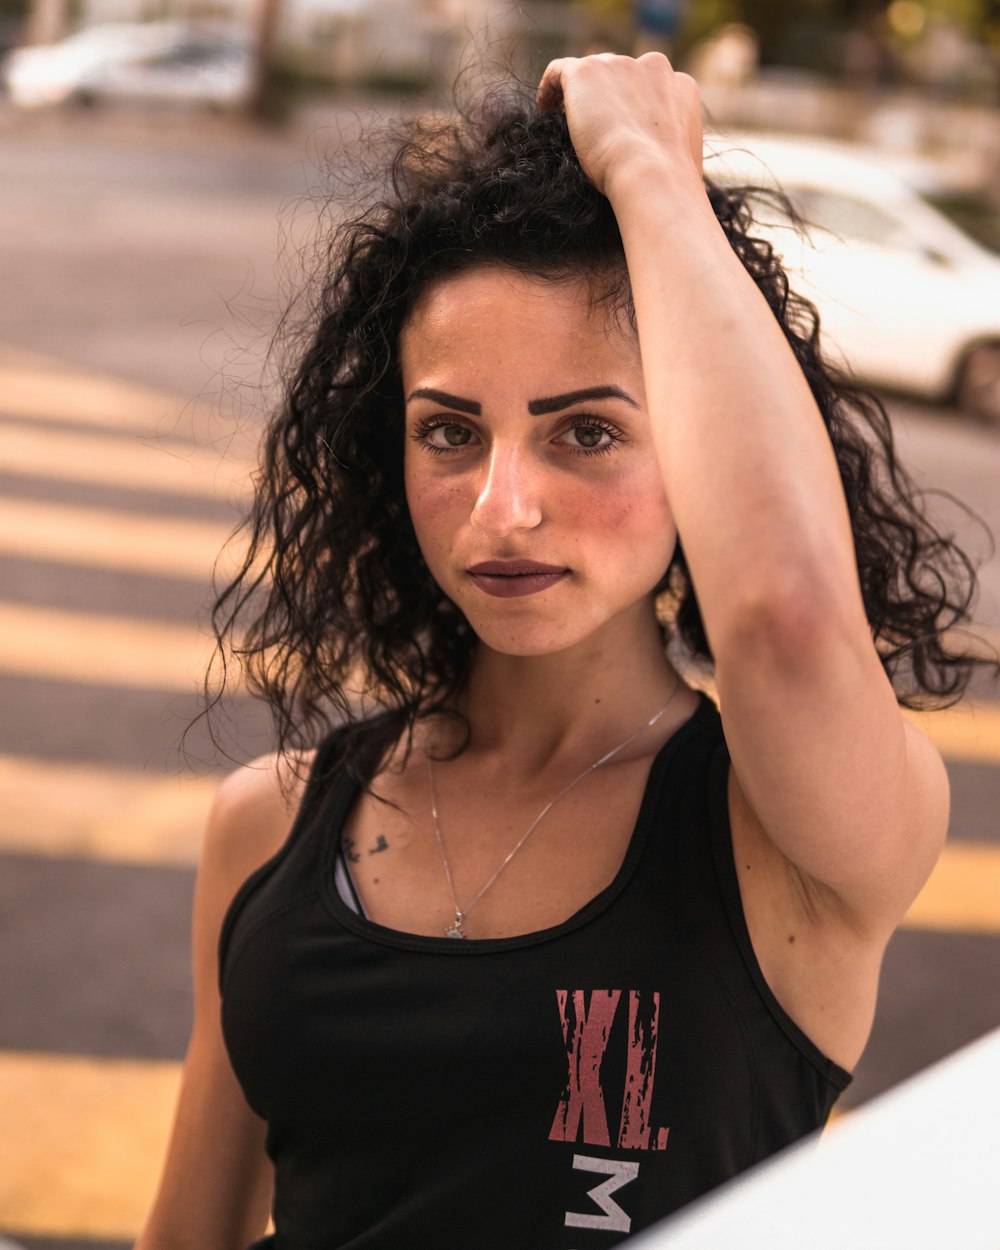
x,y
671,850
680,791
297,858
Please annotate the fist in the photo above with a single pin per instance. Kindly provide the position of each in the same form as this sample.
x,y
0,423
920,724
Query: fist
x,y
624,112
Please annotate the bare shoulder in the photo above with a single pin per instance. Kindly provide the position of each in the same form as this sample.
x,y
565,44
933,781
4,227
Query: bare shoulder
x,y
251,817
223,1192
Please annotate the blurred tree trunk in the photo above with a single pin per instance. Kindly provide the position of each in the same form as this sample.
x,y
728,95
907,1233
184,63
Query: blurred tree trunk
x,y
268,20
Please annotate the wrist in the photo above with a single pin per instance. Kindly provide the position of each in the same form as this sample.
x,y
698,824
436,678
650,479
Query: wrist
x,y
641,183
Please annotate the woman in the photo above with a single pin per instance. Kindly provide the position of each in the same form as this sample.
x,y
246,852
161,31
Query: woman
x,y
538,948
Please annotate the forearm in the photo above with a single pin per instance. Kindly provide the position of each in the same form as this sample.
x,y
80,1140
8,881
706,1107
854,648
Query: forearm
x,y
748,466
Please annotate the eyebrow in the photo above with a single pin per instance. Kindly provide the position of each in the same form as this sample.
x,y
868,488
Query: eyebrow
x,y
536,407
555,403
448,401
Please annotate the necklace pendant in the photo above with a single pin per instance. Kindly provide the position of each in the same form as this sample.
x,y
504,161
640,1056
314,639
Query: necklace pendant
x,y
455,930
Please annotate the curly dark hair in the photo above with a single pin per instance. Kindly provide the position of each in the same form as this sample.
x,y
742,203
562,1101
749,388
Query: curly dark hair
x,y
334,616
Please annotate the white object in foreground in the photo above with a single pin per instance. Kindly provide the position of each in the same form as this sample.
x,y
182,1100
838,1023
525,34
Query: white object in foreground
x,y
917,1169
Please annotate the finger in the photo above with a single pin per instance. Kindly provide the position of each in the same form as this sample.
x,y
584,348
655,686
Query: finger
x,y
659,60
549,96
688,85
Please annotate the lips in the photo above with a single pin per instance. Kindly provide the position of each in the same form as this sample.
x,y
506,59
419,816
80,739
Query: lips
x,y
506,579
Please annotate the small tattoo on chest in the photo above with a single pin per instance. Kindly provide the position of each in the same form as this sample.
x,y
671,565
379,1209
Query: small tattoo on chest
x,y
380,845
350,852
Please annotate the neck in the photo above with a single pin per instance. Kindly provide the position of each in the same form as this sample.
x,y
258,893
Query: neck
x,y
569,704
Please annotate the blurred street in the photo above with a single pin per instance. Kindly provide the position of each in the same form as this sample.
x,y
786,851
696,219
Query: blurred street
x,y
141,281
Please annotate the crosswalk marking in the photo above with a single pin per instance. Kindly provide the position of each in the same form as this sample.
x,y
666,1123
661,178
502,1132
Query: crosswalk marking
x,y
43,388
58,809
963,893
969,732
82,1143
130,462
133,542
100,650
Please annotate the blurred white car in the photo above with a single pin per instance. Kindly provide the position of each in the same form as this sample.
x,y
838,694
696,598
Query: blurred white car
x,y
164,62
905,297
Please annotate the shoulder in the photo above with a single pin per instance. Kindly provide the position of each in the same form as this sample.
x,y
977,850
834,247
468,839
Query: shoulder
x,y
250,819
256,796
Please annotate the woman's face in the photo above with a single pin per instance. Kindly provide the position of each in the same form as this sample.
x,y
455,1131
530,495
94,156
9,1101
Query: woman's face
x,y
530,471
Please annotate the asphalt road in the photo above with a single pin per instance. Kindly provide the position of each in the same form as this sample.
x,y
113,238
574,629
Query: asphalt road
x,y
139,274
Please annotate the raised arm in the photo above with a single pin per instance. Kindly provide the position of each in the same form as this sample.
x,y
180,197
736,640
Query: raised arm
x,y
846,791
216,1184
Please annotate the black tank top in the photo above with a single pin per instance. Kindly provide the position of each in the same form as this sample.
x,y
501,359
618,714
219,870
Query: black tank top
x,y
552,1091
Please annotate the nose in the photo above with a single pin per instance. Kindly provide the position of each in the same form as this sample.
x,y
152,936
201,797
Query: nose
x,y
509,496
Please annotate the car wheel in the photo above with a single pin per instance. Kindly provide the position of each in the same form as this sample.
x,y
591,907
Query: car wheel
x,y
978,389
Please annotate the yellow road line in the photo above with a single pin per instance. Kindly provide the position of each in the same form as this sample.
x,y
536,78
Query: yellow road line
x,y
129,462
53,808
969,732
133,542
963,893
100,650
82,1143
47,389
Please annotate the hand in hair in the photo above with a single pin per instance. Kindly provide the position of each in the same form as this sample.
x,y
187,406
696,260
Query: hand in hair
x,y
623,112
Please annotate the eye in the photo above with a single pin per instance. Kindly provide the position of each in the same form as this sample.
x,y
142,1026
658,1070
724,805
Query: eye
x,y
443,436
449,436
591,436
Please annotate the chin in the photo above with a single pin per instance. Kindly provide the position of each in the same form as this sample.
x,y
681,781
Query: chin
x,y
548,638
519,627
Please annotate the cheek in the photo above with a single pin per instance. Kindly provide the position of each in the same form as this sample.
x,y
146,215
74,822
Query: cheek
x,y
631,514
435,508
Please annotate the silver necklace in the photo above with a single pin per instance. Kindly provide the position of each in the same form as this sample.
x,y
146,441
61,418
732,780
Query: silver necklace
x,y
455,930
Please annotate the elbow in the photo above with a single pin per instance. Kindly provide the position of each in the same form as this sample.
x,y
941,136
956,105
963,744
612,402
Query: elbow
x,y
796,622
